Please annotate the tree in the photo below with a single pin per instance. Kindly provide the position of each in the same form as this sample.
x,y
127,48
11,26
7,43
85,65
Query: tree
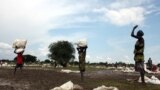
x,y
62,52
29,58
158,64
47,61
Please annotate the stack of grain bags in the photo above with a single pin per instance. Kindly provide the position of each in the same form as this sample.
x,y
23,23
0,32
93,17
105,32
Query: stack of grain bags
x,y
82,43
148,71
71,86
19,45
152,80
103,87
68,86
69,71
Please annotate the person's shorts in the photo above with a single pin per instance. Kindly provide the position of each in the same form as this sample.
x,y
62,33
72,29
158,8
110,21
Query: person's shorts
x,y
139,66
19,65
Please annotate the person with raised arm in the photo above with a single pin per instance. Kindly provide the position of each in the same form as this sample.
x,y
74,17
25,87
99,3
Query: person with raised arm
x,y
139,52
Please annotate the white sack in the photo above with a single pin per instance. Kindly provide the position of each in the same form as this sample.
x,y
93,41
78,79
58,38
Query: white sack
x,y
152,80
20,43
66,86
69,71
103,87
19,50
148,71
82,43
147,79
57,88
145,68
128,70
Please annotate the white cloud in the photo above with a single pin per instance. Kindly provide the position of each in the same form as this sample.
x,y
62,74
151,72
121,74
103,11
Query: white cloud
x,y
133,15
88,56
5,46
6,51
42,50
128,3
126,12
32,20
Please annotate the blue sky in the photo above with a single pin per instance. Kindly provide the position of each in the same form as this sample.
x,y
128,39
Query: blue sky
x,y
106,24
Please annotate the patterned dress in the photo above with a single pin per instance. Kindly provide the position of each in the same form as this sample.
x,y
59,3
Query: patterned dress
x,y
138,51
82,55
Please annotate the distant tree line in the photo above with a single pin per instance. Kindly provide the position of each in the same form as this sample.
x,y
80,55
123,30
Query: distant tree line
x,y
33,59
63,53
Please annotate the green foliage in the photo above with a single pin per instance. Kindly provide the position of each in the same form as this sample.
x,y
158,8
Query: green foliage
x,y
29,58
47,61
62,52
158,64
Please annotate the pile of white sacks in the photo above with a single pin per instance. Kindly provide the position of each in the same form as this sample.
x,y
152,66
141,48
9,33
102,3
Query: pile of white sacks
x,y
69,71
148,71
82,43
152,80
70,86
103,87
125,69
128,69
19,45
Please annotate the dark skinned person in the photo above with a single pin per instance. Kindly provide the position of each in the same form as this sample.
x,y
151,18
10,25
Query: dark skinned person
x,y
139,52
19,61
82,55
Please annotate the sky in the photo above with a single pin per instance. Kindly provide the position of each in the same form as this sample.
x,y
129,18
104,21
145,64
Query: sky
x,y
106,24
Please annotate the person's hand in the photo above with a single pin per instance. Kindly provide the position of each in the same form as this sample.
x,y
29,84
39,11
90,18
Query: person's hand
x,y
135,27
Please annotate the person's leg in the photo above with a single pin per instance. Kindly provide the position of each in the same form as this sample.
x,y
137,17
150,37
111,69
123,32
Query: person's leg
x,y
142,72
82,75
21,66
136,66
15,69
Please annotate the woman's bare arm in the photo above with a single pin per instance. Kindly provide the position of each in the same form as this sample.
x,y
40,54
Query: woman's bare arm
x,y
132,33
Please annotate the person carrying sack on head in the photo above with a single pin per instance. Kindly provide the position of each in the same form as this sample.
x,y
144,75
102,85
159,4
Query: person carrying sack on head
x,y
81,48
19,60
19,46
82,55
139,52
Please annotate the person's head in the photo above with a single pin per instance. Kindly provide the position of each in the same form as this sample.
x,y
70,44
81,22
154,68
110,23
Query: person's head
x,y
140,33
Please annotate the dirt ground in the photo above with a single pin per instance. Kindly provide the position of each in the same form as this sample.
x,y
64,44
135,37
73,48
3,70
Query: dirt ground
x,y
38,79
